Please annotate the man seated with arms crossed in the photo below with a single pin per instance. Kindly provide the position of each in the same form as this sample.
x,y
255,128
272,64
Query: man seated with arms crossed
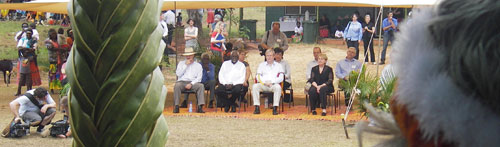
x,y
35,107
269,76
231,78
344,68
189,74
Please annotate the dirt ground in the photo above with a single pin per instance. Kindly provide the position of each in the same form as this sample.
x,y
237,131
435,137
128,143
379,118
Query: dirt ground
x,y
204,131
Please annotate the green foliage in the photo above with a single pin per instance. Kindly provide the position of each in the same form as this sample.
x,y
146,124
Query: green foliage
x,y
244,32
117,94
369,90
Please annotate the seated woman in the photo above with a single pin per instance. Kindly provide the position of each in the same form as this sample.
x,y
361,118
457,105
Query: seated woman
x,y
322,84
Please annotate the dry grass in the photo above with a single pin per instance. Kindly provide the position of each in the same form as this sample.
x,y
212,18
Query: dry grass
x,y
203,131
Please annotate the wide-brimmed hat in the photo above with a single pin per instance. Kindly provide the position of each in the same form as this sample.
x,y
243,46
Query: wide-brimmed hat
x,y
188,51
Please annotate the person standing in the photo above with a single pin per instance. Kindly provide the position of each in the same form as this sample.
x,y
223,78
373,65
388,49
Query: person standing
x,y
389,25
274,38
56,55
191,35
28,70
231,78
217,40
353,34
170,21
368,30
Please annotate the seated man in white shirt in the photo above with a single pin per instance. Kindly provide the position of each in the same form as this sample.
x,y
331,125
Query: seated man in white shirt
x,y
231,78
269,76
189,74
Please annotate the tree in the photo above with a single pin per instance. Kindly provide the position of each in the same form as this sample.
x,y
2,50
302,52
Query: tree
x,y
117,92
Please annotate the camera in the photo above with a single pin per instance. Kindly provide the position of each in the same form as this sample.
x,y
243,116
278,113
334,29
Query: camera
x,y
262,50
59,127
19,129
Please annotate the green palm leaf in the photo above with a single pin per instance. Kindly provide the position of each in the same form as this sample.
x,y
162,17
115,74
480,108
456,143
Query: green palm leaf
x,y
117,92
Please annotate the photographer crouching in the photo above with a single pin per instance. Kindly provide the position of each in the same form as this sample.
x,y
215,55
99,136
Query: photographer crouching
x,y
272,39
36,108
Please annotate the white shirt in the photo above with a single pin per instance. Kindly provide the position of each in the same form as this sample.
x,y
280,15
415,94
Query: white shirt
x,y
23,42
232,73
269,73
299,30
170,17
192,72
310,65
165,28
287,70
27,105
35,35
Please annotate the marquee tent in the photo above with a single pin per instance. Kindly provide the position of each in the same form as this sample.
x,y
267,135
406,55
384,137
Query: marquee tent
x,y
60,6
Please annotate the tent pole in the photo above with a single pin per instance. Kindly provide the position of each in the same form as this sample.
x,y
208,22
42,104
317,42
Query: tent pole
x,y
175,32
380,35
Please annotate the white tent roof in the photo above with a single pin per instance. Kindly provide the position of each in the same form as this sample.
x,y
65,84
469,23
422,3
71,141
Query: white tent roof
x,y
60,6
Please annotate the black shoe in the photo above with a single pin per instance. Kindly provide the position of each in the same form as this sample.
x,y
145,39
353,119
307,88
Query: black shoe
x,y
200,109
323,113
211,104
275,110
257,110
184,104
40,129
314,112
382,62
233,109
226,108
176,109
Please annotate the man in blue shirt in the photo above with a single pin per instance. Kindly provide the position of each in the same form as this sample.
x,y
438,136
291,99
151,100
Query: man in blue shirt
x,y
345,67
389,26
208,79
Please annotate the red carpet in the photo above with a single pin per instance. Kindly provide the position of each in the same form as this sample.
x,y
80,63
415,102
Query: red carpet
x,y
298,112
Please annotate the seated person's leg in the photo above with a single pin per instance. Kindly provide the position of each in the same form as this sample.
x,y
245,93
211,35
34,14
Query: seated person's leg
x,y
256,88
313,97
31,117
48,116
277,94
178,87
199,88
221,94
211,86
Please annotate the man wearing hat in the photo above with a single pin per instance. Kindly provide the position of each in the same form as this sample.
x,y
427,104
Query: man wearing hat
x,y
274,38
189,75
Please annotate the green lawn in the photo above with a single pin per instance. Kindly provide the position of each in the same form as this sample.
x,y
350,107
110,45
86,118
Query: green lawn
x,y
8,30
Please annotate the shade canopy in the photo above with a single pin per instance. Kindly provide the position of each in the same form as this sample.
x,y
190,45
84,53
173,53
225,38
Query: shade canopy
x,y
60,6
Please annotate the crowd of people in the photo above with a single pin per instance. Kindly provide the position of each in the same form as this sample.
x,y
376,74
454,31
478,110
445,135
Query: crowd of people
x,y
36,107
272,76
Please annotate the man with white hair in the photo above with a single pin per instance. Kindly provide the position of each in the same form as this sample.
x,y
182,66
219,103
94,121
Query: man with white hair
x,y
268,78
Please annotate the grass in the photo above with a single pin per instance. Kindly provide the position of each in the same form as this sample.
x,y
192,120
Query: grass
x,y
8,44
